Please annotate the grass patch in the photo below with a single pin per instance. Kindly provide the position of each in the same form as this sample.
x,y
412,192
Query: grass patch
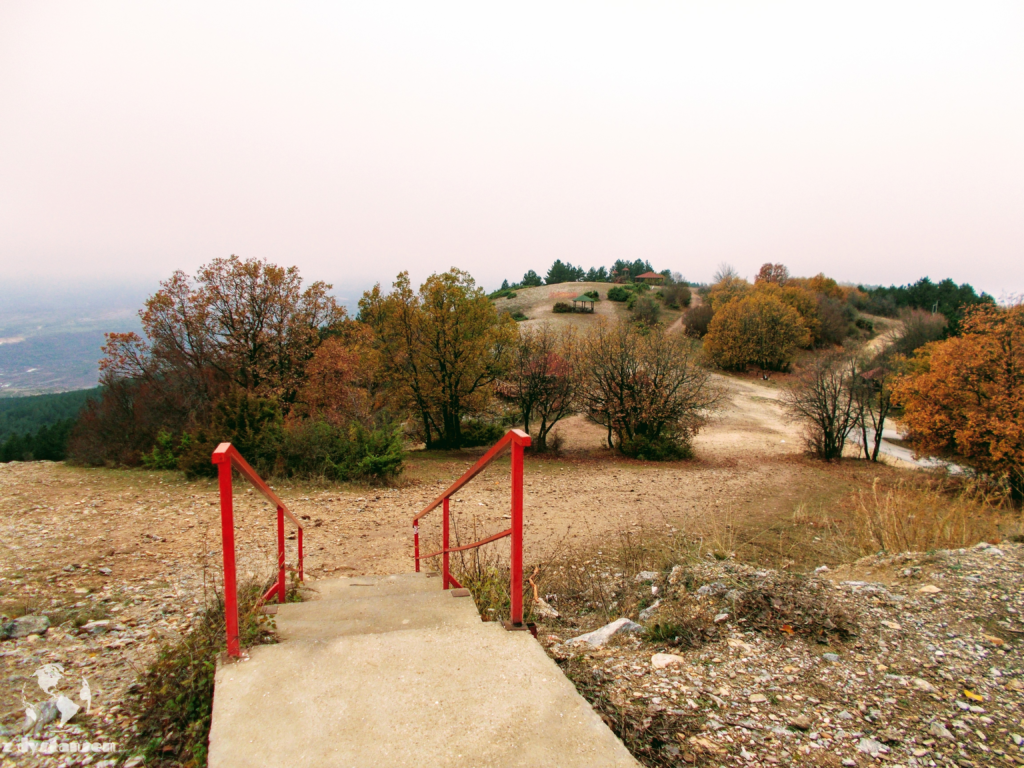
x,y
916,517
174,707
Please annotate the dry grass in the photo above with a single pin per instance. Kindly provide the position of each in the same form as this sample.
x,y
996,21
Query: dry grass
x,y
914,517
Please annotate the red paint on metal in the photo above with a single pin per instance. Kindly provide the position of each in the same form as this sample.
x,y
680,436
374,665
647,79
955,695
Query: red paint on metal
x,y
518,440
281,586
227,458
444,547
227,532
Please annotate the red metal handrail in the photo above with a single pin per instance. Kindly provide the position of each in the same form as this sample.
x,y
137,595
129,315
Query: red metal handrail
x,y
227,457
518,440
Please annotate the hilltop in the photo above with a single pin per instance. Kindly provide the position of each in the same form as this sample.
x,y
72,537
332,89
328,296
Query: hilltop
x,y
537,302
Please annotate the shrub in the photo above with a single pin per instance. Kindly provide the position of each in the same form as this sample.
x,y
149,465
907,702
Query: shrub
x,y
646,310
320,449
594,295
665,447
479,432
697,319
676,295
618,293
253,425
166,454
561,307
518,316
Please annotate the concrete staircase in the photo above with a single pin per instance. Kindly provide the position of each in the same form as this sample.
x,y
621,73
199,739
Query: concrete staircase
x,y
393,671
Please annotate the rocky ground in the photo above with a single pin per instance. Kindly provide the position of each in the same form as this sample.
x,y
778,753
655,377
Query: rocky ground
x,y
909,660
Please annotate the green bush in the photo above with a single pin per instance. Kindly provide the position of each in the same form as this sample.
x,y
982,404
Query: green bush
x,y
645,310
697,319
618,293
320,449
252,424
594,295
477,432
561,307
665,447
519,316
165,454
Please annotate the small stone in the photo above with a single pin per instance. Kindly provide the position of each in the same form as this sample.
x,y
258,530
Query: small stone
x,y
871,747
105,571
821,569
920,684
96,627
646,613
849,763
844,715
721,617
801,722
833,657
599,637
713,590
24,626
892,624
938,729
929,589
757,698
890,736
1017,739
662,660
645,576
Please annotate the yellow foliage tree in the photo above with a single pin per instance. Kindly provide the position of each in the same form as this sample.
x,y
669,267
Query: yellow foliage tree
x,y
757,330
440,348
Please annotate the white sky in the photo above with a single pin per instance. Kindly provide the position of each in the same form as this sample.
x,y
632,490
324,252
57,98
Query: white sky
x,y
877,142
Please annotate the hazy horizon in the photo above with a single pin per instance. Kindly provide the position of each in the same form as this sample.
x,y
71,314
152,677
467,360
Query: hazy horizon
x,y
878,143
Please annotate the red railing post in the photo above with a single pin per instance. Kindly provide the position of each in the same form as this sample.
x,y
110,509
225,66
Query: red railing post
x,y
444,546
302,573
281,583
227,527
416,543
517,532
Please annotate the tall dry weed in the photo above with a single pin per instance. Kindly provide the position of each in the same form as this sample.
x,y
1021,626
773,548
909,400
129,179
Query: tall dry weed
x,y
911,517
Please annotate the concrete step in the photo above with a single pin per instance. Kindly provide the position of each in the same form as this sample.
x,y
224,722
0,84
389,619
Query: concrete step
x,y
344,587
368,613
423,697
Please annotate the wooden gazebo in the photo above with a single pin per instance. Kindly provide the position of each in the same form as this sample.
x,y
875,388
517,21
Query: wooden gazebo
x,y
651,278
583,300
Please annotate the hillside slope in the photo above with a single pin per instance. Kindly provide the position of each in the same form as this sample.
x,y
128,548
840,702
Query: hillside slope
x,y
536,304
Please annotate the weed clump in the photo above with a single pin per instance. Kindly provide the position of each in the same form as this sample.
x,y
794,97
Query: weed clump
x,y
174,704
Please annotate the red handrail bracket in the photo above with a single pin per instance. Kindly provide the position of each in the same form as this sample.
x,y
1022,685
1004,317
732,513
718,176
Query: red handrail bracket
x,y
517,440
227,458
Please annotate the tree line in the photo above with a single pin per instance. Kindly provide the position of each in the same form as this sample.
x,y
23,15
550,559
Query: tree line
x,y
621,271
245,352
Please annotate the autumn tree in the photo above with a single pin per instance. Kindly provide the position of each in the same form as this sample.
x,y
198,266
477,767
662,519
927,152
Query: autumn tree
x,y
963,398
440,348
647,388
726,289
822,399
544,378
772,273
757,330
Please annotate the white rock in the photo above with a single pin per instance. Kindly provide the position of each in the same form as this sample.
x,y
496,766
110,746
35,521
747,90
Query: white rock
x,y
938,729
757,698
662,660
923,685
599,637
929,589
721,617
871,747
542,608
646,613
646,576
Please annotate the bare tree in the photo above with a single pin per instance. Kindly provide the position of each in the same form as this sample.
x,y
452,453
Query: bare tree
x,y
725,271
872,391
823,400
544,378
648,389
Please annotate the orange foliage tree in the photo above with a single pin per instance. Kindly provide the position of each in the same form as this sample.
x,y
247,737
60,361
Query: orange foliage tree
x,y
964,397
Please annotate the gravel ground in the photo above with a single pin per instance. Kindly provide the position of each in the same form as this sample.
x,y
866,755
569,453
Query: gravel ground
x,y
931,675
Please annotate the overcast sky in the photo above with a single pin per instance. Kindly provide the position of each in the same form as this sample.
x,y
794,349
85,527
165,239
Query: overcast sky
x,y
877,142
